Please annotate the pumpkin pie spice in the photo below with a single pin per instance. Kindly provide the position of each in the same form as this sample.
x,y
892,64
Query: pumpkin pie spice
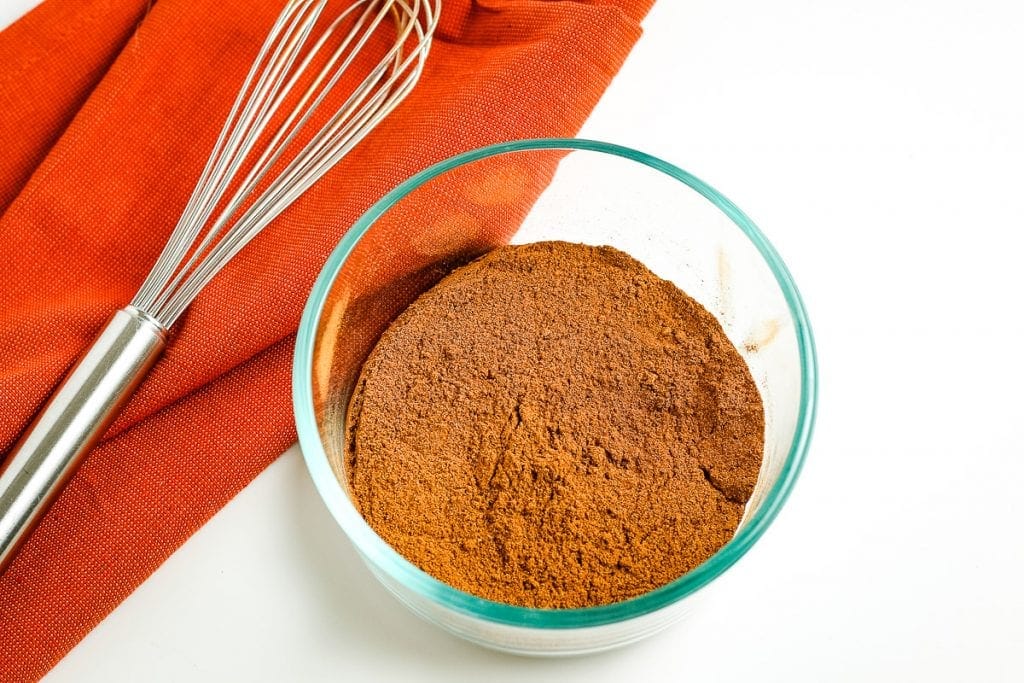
x,y
552,425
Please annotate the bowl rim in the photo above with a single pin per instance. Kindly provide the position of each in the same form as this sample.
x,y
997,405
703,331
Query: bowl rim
x,y
383,557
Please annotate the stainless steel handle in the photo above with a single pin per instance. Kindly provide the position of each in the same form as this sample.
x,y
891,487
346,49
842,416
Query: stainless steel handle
x,y
73,420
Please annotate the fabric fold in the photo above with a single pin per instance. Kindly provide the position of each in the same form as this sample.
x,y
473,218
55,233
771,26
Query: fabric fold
x,y
53,58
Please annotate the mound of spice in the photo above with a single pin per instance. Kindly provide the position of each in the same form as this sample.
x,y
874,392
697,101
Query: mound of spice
x,y
554,426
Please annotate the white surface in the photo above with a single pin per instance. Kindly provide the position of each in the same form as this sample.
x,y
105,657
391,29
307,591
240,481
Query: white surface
x,y
879,145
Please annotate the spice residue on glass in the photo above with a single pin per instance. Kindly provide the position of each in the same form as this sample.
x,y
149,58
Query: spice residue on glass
x,y
553,425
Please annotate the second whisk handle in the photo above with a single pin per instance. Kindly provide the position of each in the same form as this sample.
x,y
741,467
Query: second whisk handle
x,y
74,419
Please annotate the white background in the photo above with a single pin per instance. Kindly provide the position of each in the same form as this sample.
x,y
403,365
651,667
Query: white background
x,y
880,145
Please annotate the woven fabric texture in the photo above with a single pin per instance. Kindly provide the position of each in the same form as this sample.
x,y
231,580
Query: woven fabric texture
x,y
108,110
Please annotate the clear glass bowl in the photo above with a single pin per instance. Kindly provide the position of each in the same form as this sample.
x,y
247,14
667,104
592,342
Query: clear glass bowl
x,y
528,191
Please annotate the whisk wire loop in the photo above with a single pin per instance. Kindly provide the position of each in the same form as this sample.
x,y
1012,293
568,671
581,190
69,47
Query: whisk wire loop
x,y
202,242
198,208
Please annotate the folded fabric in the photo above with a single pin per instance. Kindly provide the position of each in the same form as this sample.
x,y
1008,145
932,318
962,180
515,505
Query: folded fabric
x,y
108,109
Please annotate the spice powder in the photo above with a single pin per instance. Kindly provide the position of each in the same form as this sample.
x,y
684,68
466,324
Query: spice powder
x,y
554,426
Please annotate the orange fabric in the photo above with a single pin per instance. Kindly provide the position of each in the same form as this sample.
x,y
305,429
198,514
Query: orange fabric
x,y
108,109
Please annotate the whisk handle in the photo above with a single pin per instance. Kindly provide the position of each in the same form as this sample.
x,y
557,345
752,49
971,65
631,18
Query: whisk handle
x,y
74,419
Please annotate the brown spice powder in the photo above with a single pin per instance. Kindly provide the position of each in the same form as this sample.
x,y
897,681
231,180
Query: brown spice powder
x,y
553,425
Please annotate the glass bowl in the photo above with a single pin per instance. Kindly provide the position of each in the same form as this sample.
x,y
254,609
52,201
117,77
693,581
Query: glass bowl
x,y
553,189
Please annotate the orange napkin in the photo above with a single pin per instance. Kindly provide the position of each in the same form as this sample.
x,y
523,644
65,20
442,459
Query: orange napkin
x,y
108,110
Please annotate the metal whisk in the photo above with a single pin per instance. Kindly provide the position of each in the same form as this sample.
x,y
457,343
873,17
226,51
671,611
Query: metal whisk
x,y
236,197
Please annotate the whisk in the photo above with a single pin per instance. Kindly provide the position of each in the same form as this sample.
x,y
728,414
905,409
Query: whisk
x,y
236,197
